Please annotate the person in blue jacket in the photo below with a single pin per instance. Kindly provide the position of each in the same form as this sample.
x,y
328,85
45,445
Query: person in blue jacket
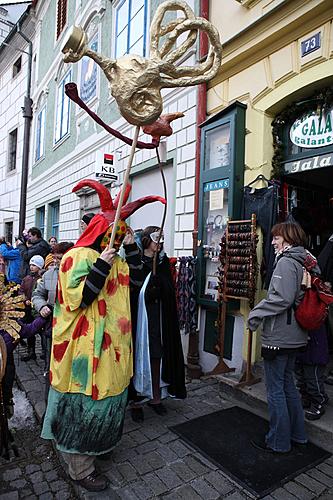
x,y
13,259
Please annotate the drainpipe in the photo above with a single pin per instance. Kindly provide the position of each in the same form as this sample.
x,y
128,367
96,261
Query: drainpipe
x,y
193,366
201,117
27,115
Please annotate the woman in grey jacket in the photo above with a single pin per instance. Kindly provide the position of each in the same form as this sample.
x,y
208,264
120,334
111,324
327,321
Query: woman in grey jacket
x,y
282,337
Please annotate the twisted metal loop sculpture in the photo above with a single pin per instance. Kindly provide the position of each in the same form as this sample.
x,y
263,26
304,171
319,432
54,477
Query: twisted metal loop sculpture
x,y
136,82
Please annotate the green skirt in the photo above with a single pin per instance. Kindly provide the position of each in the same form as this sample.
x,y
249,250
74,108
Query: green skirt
x,y
78,424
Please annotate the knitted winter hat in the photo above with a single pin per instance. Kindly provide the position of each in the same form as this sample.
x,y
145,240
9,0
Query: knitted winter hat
x,y
37,260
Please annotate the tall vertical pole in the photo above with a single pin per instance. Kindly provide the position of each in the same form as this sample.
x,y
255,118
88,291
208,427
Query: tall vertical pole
x,y
27,115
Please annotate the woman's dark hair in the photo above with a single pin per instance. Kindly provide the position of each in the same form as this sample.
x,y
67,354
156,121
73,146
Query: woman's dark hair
x,y
52,238
145,235
62,247
291,233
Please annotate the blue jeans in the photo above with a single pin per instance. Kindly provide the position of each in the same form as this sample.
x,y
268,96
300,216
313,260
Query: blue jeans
x,y
284,404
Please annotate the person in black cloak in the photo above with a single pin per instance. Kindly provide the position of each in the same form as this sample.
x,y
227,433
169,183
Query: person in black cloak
x,y
159,363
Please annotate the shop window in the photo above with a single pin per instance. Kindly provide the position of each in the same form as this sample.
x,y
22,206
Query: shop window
x,y
17,66
62,109
61,16
131,27
54,209
221,180
40,134
9,232
218,147
12,150
215,217
40,219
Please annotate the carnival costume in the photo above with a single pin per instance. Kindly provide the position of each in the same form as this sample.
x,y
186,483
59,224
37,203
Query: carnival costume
x,y
91,359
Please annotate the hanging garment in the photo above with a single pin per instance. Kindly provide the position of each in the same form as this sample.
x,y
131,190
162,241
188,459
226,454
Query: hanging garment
x,y
186,294
263,203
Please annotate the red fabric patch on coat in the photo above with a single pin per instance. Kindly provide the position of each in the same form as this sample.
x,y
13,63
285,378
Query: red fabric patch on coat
x,y
123,279
102,307
125,325
68,309
94,392
50,376
54,321
67,264
95,364
81,328
117,355
106,341
60,297
59,350
111,286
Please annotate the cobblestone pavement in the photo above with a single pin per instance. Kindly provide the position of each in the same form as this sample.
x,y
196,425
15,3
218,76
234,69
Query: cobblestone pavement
x,y
36,472
151,461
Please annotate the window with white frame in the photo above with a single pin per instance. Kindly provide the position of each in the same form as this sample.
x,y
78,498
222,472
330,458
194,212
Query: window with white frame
x,y
62,109
131,27
40,134
9,232
12,150
53,217
40,219
88,83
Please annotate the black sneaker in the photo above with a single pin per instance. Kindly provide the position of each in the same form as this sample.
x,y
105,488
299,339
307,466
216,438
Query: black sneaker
x,y
262,446
315,412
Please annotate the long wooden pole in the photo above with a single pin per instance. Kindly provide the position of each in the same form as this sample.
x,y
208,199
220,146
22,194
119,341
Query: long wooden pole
x,y
125,182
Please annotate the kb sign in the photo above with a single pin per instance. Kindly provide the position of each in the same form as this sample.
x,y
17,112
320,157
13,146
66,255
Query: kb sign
x,y
104,167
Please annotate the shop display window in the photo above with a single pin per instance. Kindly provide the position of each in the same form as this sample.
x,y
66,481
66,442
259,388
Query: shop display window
x,y
218,147
215,215
221,182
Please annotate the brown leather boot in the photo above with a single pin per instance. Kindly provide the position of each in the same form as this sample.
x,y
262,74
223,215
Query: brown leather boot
x,y
94,482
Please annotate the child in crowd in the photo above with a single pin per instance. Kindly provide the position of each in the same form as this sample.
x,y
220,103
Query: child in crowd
x,y
310,373
28,285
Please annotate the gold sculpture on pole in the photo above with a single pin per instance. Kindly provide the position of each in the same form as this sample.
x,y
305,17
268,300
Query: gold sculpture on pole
x,y
136,82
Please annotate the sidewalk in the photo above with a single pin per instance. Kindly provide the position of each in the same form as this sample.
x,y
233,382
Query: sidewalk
x,y
152,462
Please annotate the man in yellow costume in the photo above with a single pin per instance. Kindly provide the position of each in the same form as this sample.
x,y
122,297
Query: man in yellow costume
x,y
91,359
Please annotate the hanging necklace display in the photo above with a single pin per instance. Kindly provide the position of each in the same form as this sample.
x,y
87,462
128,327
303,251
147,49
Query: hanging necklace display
x,y
237,280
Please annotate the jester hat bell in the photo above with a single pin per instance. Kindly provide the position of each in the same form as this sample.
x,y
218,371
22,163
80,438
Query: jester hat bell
x,y
102,221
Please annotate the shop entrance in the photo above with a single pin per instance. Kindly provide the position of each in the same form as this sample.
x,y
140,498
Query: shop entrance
x,y
307,197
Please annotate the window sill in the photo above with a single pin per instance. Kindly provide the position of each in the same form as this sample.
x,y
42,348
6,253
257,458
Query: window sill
x,y
37,162
10,173
248,3
61,141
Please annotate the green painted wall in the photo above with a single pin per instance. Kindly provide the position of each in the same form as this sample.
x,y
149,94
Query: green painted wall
x,y
106,110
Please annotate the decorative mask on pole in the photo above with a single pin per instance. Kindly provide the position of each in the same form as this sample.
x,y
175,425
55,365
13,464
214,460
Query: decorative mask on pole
x,y
136,82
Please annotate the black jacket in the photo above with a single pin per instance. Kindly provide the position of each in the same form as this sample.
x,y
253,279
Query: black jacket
x,y
161,287
40,247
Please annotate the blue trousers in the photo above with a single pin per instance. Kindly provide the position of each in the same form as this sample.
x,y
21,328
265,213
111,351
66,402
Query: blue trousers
x,y
284,404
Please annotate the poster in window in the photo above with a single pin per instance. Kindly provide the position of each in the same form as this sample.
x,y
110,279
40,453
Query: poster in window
x,y
88,85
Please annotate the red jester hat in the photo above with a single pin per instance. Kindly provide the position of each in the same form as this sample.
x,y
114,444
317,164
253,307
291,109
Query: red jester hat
x,y
101,222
